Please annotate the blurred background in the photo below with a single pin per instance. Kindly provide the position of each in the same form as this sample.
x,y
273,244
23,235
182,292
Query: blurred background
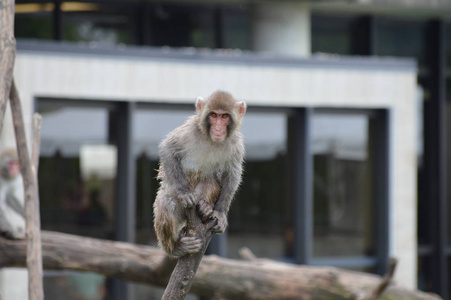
x,y
340,168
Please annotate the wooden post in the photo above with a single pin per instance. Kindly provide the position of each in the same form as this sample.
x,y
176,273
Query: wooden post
x,y
33,221
7,53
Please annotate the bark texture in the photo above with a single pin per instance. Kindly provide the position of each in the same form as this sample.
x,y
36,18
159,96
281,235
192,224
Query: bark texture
x,y
32,214
183,275
216,277
7,53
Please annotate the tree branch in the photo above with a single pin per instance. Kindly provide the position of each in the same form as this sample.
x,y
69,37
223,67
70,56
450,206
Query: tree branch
x,y
385,281
186,268
33,221
37,124
216,277
7,53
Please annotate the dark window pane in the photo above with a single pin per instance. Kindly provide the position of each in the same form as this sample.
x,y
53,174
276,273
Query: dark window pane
x,y
448,89
260,217
448,165
401,38
343,202
183,26
237,28
76,187
73,285
77,173
33,21
105,24
448,47
425,274
332,34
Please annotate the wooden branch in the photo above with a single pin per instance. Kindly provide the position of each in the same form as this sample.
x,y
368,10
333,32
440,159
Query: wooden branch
x,y
186,268
7,53
37,125
33,222
246,254
385,281
216,277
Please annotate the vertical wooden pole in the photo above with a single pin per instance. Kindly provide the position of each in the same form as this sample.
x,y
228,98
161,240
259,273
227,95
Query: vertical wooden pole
x,y
33,220
7,53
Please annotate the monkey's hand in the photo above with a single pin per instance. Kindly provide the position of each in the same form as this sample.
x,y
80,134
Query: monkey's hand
x,y
204,209
222,221
188,198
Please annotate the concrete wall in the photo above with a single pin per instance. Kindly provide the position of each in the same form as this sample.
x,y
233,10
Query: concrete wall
x,y
317,83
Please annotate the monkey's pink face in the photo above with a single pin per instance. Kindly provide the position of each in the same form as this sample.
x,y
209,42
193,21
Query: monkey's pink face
x,y
219,120
14,168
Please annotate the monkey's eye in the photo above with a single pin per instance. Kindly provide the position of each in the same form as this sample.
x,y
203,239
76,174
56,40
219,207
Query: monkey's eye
x,y
225,116
213,115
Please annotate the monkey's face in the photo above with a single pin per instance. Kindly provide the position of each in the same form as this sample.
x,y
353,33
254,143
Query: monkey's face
x,y
219,121
10,169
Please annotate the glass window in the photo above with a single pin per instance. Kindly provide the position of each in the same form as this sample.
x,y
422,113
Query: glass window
x,y
448,166
70,285
425,274
183,26
260,217
77,173
104,24
343,203
449,272
448,88
237,28
401,38
448,47
331,34
34,20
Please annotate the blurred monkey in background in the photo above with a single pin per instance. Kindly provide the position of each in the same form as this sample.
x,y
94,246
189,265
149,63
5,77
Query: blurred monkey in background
x,y
12,212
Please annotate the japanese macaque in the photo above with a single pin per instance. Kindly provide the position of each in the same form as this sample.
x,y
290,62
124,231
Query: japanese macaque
x,y
200,166
12,212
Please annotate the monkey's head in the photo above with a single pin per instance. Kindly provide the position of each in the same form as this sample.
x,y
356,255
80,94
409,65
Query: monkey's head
x,y
219,115
9,164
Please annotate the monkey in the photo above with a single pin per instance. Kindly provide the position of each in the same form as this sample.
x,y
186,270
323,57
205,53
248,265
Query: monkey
x,y
12,212
201,165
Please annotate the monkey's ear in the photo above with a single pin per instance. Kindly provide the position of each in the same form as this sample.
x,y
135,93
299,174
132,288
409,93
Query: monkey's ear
x,y
199,103
242,108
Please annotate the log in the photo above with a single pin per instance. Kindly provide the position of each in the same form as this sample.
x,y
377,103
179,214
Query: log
x,y
7,53
32,214
216,277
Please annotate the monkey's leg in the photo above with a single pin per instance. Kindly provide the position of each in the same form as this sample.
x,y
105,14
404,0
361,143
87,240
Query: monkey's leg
x,y
208,191
170,227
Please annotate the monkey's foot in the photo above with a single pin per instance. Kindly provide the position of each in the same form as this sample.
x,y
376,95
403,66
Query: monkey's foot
x,y
205,210
187,245
222,222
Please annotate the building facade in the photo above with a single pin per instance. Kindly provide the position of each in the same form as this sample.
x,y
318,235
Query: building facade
x,y
346,152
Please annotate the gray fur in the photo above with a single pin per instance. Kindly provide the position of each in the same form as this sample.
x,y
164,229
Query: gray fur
x,y
191,163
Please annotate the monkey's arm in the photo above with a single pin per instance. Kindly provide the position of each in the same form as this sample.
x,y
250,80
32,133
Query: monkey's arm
x,y
174,176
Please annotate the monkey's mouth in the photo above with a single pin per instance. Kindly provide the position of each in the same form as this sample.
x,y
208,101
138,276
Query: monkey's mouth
x,y
218,137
